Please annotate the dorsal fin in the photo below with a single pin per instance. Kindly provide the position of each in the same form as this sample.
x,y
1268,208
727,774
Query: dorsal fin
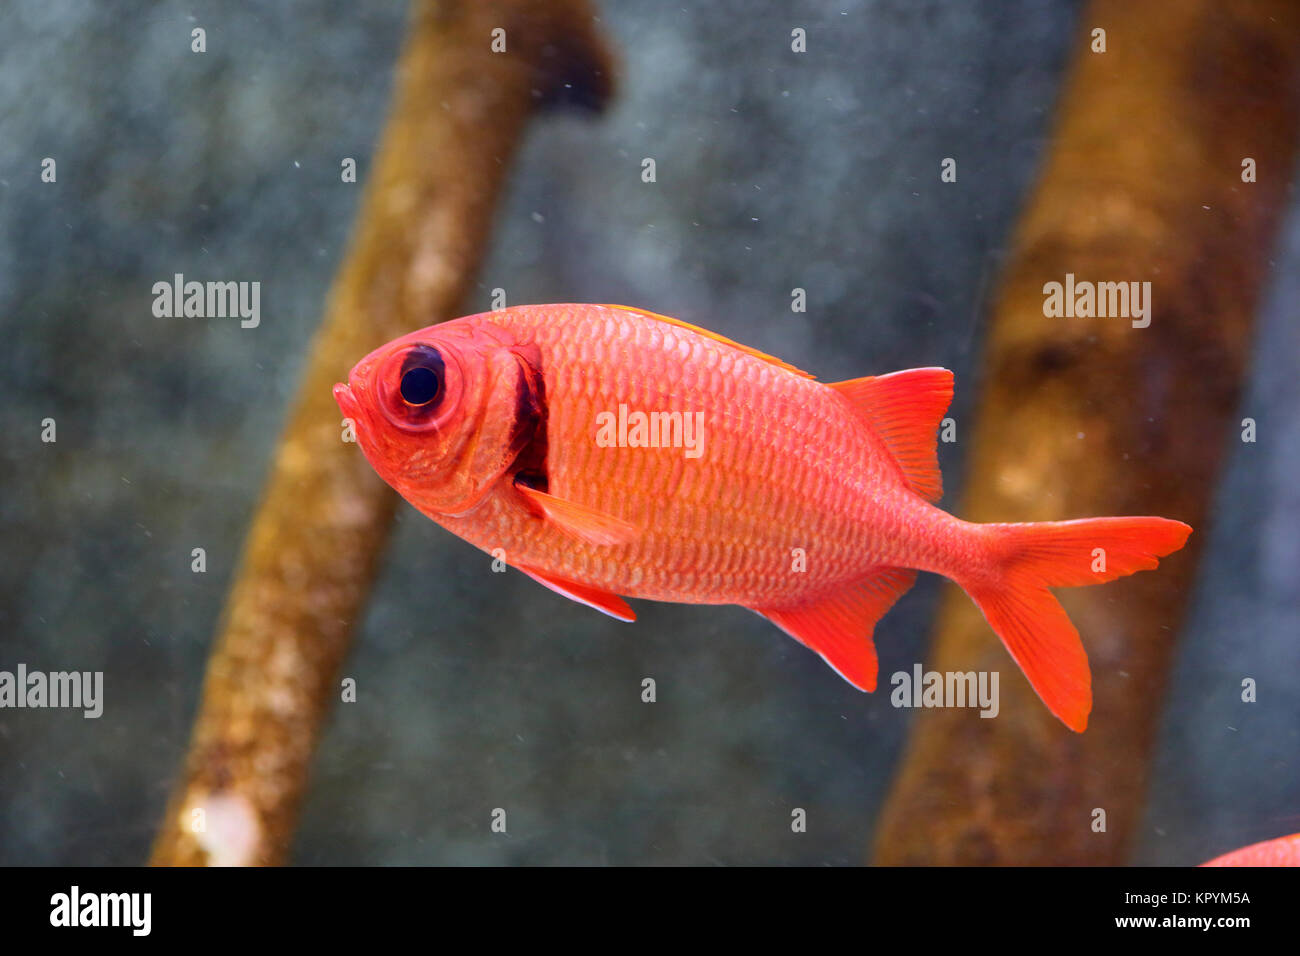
x,y
711,335
905,409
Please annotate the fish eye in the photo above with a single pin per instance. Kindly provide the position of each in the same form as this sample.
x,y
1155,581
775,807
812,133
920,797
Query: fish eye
x,y
419,386
422,375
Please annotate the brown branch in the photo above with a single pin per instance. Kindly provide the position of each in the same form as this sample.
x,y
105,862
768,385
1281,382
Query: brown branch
x,y
459,113
1085,417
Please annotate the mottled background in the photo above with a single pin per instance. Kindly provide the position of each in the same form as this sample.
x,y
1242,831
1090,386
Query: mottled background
x,y
479,690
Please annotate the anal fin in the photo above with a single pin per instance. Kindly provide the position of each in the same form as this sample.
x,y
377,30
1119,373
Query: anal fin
x,y
602,601
839,627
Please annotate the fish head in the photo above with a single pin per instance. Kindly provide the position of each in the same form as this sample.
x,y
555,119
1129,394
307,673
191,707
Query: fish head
x,y
442,414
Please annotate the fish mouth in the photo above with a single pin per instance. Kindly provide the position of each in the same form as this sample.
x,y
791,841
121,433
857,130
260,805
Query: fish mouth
x,y
347,401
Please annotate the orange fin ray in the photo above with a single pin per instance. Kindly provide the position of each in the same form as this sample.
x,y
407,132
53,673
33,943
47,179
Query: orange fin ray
x,y
586,524
905,409
840,627
1028,559
602,601
1040,638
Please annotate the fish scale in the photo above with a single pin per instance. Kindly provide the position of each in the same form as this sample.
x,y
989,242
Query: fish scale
x,y
810,503
755,417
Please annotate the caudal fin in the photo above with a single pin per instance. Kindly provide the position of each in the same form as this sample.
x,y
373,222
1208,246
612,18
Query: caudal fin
x,y
1027,559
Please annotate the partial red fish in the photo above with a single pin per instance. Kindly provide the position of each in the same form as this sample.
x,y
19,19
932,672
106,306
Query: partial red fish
x,y
1284,851
610,451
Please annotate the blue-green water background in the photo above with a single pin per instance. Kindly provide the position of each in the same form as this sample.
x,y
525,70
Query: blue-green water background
x,y
480,690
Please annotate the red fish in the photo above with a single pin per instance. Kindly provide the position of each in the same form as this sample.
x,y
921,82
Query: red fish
x,y
610,451
1284,851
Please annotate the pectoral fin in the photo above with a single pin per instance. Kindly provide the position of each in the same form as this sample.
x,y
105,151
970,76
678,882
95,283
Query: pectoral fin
x,y
603,601
577,520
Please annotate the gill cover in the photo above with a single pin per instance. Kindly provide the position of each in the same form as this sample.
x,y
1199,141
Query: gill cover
x,y
509,414
460,403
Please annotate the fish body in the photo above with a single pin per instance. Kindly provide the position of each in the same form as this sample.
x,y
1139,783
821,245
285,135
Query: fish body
x,y
1284,851
612,452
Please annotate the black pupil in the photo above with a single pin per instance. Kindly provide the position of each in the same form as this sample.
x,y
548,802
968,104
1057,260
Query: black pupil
x,y
420,385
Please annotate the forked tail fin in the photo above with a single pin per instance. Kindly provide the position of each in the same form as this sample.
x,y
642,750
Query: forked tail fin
x,y
1027,559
